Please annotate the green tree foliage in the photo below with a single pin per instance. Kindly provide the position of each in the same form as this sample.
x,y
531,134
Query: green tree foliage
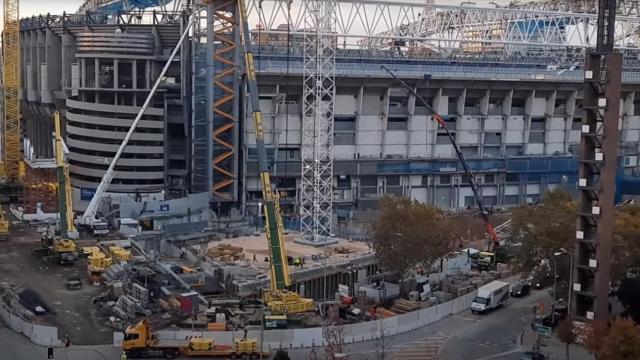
x,y
629,296
408,233
544,228
626,241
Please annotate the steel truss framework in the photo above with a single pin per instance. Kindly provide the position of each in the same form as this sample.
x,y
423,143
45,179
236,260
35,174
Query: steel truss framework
x,y
385,24
224,68
11,82
317,121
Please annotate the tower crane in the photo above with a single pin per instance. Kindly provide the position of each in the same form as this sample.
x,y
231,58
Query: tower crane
x,y
495,240
11,84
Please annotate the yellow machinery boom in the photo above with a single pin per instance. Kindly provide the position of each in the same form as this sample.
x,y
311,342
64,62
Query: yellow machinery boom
x,y
11,83
65,196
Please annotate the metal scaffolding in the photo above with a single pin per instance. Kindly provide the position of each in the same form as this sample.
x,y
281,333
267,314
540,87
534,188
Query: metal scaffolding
x,y
224,68
11,83
317,122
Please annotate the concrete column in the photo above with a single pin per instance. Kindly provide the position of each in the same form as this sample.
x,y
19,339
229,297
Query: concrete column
x,y
134,74
383,120
460,103
528,107
411,109
570,106
68,57
506,113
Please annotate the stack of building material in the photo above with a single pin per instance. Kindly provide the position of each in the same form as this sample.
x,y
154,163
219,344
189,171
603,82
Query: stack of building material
x,y
402,306
442,296
384,313
140,293
119,254
226,253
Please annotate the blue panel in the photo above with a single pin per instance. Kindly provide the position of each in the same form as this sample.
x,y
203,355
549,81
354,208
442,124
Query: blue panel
x,y
539,165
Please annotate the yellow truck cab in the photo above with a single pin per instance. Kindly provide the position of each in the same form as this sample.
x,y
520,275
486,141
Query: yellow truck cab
x,y
140,342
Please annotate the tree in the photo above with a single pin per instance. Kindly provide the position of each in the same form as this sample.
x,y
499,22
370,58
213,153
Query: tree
x,y
622,341
408,232
281,355
566,333
629,296
626,248
594,336
544,228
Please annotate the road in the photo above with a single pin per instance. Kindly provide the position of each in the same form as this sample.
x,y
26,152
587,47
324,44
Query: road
x,y
467,336
464,336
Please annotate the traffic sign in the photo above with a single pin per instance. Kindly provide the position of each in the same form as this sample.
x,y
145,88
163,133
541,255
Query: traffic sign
x,y
542,329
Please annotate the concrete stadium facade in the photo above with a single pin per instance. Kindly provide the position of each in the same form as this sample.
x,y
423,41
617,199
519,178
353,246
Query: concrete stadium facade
x,y
517,121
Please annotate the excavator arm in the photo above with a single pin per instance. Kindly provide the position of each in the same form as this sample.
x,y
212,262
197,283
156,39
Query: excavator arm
x,y
472,180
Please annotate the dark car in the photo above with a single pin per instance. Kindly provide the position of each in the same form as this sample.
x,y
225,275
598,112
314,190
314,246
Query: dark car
x,y
552,321
519,290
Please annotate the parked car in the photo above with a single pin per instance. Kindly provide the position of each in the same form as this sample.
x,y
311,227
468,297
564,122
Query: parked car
x,y
560,311
520,290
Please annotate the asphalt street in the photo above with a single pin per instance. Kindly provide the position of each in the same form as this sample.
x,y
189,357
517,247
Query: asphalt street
x,y
464,336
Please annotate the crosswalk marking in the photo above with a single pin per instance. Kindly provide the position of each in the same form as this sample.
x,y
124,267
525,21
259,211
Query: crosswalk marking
x,y
426,349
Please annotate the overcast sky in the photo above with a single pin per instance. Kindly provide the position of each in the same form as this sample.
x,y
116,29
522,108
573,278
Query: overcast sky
x,y
36,7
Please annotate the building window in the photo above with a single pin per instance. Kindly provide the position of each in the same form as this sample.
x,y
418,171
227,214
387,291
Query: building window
x,y
492,138
489,178
125,75
512,177
141,77
576,124
106,73
536,137
443,139
513,150
344,123
344,138
90,73
470,201
397,123
511,199
469,152
444,180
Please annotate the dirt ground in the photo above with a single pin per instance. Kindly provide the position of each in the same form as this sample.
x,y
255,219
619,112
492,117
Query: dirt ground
x,y
74,314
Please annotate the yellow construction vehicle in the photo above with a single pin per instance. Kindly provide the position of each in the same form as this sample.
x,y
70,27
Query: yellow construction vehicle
x,y
64,251
278,299
97,263
140,342
4,227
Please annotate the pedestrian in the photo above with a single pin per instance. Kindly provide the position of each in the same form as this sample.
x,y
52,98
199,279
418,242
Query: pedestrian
x,y
123,356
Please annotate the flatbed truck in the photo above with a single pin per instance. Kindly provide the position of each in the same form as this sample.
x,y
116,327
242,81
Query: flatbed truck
x,y
140,342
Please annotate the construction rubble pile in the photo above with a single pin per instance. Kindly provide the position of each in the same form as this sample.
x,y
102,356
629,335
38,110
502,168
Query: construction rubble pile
x,y
136,291
431,292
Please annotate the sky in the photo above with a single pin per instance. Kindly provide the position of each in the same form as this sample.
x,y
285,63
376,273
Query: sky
x,y
37,7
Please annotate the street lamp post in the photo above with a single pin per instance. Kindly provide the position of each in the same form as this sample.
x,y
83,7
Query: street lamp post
x,y
259,216
555,280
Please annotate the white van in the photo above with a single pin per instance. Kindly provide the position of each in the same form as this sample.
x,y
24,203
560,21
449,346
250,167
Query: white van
x,y
490,296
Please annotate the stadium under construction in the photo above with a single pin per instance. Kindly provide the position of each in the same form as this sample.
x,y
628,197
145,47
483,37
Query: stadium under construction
x,y
507,80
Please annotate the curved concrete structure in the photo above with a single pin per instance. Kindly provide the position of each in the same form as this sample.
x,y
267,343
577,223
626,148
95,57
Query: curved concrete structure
x,y
98,72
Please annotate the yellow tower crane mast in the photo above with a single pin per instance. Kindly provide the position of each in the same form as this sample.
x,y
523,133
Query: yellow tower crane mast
x,y
11,83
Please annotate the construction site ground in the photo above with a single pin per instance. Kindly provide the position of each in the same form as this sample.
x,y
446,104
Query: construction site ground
x,y
73,311
256,247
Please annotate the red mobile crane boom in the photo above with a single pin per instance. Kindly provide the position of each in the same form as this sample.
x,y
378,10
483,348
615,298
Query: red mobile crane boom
x,y
472,180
